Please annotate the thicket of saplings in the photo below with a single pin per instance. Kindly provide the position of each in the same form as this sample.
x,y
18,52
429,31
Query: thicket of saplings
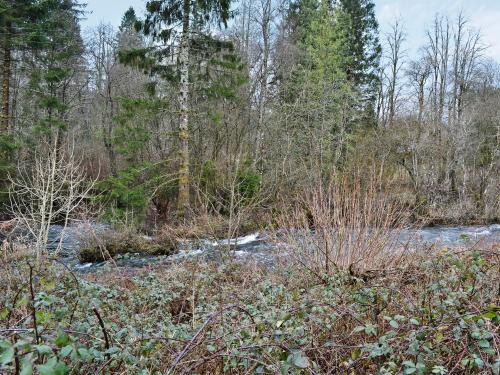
x,y
349,301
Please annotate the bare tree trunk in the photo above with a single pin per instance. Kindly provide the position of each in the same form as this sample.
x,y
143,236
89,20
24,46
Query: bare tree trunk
x,y
444,59
456,67
6,72
394,40
264,75
183,196
108,138
421,99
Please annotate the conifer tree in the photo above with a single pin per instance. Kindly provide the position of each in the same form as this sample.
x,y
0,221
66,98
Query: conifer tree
x,y
58,63
23,26
30,27
362,46
177,25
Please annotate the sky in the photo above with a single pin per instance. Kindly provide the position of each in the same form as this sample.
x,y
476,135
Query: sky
x,y
416,15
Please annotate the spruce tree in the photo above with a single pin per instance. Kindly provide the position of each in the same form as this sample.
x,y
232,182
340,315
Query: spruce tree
x,y
22,27
172,56
57,64
362,46
26,26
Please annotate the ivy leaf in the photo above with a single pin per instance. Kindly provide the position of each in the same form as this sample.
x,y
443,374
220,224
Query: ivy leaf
x,y
46,370
6,352
66,351
62,338
300,360
43,349
26,369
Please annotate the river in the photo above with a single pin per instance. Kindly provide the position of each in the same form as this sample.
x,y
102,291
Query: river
x,y
257,246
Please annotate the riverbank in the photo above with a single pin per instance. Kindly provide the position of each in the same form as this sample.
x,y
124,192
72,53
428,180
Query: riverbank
x,y
434,313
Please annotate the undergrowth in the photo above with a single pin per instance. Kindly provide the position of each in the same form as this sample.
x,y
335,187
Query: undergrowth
x,y
437,314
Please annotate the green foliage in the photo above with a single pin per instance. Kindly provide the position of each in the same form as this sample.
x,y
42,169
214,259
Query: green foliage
x,y
58,57
249,182
128,195
436,315
125,195
130,135
320,96
129,20
161,24
362,47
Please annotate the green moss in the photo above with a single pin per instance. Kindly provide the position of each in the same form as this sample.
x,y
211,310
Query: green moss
x,y
111,245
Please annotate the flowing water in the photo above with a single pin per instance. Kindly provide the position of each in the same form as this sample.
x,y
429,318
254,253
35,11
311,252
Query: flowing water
x,y
256,247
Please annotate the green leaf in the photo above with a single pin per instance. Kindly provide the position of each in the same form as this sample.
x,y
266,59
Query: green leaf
x,y
66,351
476,334
394,324
61,369
6,352
490,315
356,354
439,336
46,370
84,353
478,361
439,370
4,313
484,343
62,338
112,350
26,369
43,349
300,360
410,367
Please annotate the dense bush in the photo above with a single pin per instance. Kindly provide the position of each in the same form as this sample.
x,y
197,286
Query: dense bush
x,y
437,315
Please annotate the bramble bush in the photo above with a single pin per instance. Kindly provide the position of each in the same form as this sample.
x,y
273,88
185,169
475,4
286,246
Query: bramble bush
x,y
436,314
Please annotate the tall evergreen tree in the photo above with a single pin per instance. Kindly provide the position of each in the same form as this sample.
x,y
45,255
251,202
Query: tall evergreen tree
x,y
320,93
22,27
129,20
15,22
172,59
28,27
57,64
362,46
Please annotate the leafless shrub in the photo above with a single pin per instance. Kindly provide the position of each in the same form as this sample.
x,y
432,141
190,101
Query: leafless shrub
x,y
50,188
345,225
